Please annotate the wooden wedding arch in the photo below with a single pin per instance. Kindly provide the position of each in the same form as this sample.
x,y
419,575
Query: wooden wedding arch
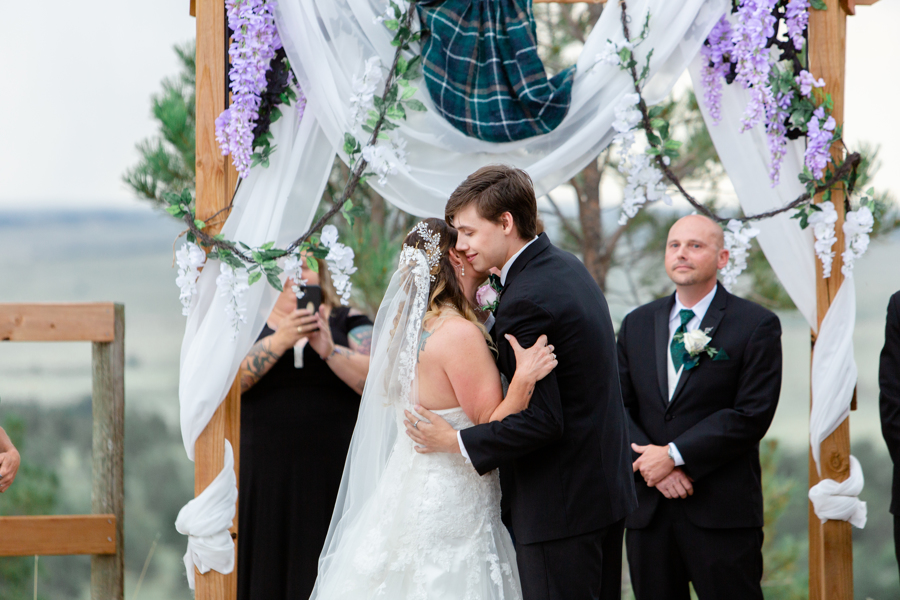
x,y
830,544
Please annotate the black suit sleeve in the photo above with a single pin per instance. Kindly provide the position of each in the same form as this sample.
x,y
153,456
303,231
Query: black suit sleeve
x,y
632,408
728,433
889,380
491,444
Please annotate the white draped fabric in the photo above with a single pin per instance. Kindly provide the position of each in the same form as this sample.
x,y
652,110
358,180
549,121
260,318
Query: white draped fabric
x,y
328,43
789,250
206,520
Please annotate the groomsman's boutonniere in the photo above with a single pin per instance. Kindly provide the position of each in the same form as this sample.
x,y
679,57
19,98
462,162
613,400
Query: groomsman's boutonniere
x,y
696,343
488,295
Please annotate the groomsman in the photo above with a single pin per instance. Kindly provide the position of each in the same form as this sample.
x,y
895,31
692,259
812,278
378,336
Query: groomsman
x,y
698,407
889,399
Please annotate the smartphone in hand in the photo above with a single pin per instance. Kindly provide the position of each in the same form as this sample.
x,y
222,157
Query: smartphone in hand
x,y
311,300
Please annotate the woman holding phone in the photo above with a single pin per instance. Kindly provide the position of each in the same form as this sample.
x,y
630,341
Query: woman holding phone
x,y
300,384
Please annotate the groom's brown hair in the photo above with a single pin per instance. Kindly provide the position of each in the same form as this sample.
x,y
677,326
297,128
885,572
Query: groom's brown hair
x,y
494,190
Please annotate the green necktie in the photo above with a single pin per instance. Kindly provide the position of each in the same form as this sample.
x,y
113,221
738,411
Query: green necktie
x,y
677,347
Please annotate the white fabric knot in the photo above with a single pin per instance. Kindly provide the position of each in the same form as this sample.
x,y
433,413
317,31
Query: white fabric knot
x,y
835,501
206,520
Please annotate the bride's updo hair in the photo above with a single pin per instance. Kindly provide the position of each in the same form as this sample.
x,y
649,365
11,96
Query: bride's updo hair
x,y
445,296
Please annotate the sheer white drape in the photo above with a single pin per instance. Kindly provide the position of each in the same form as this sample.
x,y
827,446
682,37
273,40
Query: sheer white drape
x,y
789,250
328,42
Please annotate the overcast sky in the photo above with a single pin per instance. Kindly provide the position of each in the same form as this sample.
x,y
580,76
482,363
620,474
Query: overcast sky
x,y
77,78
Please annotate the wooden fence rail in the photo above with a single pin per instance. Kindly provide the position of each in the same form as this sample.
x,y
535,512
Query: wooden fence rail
x,y
100,534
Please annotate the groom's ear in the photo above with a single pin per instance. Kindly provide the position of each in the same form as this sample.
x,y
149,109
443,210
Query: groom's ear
x,y
507,223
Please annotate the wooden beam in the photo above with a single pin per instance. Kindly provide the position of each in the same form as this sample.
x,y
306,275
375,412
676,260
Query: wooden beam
x,y
216,180
108,472
72,322
830,543
57,535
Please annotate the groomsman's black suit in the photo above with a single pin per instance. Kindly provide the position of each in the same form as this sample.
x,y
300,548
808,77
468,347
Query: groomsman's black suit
x,y
565,464
889,399
718,413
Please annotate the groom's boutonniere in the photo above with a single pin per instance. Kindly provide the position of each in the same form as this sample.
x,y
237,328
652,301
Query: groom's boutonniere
x,y
488,295
696,343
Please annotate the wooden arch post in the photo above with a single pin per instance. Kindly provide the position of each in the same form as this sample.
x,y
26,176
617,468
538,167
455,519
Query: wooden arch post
x,y
216,181
831,543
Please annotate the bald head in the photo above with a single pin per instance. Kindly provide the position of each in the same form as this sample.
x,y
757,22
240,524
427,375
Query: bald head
x,y
702,226
695,251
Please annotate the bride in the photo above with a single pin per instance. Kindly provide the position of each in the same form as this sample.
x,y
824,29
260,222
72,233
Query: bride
x,y
426,526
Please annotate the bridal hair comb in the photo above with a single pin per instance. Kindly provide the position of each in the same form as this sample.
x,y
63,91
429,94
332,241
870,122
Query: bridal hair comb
x,y
432,246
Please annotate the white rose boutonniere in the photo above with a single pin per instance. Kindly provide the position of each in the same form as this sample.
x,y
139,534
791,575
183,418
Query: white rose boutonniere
x,y
696,343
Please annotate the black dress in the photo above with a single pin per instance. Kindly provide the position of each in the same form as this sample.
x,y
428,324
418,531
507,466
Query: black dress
x,y
296,426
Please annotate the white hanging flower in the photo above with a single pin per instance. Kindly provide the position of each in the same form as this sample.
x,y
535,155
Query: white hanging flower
x,y
232,285
329,235
643,184
293,268
627,118
190,258
737,242
340,262
609,55
364,87
858,225
386,159
388,14
823,228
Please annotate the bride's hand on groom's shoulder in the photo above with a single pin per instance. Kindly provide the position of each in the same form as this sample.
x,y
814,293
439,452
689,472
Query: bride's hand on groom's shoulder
x,y
430,432
536,362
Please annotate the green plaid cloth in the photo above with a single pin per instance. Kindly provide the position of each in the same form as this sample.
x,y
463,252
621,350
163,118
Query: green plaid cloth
x,y
483,71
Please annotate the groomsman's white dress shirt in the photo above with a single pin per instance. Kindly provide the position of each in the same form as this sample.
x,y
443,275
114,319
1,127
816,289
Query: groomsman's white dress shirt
x,y
490,323
674,321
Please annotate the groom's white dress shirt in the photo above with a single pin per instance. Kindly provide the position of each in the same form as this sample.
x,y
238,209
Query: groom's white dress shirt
x,y
674,322
490,323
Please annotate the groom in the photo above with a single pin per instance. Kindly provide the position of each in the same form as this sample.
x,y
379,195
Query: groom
x,y
566,464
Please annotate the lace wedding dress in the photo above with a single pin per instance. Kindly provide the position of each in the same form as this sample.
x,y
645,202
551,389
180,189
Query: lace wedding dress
x,y
410,526
433,531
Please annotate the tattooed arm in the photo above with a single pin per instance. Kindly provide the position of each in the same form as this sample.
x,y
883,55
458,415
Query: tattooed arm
x,y
268,350
259,360
350,364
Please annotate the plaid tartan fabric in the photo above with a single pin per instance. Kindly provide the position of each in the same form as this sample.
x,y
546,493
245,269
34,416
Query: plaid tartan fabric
x,y
483,71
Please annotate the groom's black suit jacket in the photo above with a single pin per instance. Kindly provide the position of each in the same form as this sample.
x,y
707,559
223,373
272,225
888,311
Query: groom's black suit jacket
x,y
889,397
565,461
718,414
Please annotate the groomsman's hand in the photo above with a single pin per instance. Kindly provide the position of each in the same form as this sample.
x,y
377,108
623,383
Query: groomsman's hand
x,y
676,485
654,463
430,432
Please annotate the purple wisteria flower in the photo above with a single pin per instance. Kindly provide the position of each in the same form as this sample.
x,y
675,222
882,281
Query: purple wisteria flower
x,y
253,45
776,117
818,142
717,52
807,82
796,17
755,25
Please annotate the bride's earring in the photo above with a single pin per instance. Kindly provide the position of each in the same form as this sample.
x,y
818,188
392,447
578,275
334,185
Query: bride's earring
x,y
462,270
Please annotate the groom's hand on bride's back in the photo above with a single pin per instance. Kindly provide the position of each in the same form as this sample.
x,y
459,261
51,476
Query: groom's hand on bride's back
x,y
430,432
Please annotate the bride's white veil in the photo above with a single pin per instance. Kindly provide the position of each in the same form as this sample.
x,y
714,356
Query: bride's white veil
x,y
391,386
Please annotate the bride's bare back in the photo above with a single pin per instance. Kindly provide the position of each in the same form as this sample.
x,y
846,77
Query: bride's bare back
x,y
456,368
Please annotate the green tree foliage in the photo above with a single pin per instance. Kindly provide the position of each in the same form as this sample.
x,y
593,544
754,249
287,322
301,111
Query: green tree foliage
x,y
33,492
167,159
